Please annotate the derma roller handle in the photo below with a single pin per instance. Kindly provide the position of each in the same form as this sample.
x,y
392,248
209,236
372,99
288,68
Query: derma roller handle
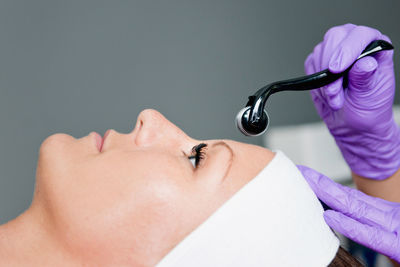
x,y
323,77
253,119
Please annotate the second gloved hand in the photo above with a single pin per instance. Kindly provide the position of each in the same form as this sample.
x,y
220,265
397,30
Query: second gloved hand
x,y
359,116
370,221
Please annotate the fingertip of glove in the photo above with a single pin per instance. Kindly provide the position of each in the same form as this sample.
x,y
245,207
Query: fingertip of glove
x,y
365,65
329,213
307,173
331,218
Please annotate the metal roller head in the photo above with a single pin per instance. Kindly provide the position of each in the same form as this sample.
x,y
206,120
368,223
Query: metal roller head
x,y
251,129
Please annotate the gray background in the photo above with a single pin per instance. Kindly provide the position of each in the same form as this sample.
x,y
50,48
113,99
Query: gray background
x,y
82,66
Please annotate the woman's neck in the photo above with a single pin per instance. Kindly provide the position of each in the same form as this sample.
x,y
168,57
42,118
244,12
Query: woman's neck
x,y
27,241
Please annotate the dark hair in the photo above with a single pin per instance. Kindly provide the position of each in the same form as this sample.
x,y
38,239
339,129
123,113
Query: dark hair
x,y
344,259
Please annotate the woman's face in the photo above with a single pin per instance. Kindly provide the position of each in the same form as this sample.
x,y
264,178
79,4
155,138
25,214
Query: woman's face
x,y
140,193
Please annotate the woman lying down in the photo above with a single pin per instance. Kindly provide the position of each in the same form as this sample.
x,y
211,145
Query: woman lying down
x,y
156,197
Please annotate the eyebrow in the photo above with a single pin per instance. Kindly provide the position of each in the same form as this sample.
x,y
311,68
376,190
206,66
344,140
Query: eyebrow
x,y
222,143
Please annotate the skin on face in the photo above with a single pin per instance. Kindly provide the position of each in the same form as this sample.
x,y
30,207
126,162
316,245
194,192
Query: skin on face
x,y
133,201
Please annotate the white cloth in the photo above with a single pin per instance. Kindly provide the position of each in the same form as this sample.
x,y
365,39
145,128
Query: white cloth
x,y
274,220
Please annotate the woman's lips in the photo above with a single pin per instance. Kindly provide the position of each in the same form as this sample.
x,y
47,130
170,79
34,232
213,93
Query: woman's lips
x,y
104,137
99,140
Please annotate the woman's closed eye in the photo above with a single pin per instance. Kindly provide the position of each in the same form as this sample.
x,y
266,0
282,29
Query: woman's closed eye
x,y
198,154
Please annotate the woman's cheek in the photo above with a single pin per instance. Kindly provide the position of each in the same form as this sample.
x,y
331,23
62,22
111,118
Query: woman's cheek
x,y
90,199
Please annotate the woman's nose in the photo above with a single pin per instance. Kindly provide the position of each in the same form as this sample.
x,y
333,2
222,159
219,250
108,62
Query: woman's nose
x,y
152,128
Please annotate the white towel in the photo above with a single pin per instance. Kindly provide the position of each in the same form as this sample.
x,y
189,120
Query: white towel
x,y
274,220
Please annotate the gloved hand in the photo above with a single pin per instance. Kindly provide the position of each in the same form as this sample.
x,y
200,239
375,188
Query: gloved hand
x,y
370,221
359,117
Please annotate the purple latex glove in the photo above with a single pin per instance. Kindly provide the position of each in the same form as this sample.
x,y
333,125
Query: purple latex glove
x,y
370,221
359,117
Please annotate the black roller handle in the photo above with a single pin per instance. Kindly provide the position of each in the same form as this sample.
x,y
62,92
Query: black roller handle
x,y
253,119
312,81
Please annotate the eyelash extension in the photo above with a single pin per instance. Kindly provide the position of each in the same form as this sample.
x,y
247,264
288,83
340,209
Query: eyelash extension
x,y
198,153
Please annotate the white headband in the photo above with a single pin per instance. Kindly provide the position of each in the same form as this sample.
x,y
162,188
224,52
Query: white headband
x,y
274,220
